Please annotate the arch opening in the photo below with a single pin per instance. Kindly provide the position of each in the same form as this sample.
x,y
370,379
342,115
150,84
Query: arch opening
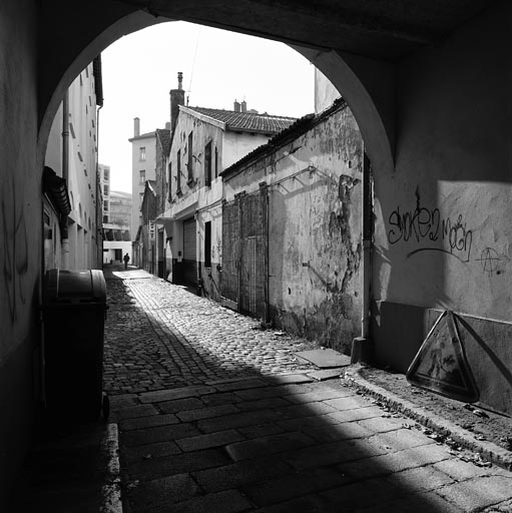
x,y
371,104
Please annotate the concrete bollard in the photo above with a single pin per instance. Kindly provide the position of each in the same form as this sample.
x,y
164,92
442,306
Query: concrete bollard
x,y
360,350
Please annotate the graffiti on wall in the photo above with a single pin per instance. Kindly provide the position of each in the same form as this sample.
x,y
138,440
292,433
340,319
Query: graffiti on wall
x,y
491,261
431,231
15,253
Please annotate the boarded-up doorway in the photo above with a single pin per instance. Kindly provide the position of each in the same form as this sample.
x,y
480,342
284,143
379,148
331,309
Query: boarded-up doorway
x,y
245,253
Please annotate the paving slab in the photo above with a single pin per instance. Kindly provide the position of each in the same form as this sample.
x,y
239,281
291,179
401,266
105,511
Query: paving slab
x,y
216,414
230,501
251,427
72,468
296,485
321,375
324,358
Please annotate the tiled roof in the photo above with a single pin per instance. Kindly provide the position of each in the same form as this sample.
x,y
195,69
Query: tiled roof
x,y
247,121
165,139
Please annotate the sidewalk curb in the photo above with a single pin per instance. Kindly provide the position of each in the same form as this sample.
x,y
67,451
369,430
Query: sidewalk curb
x,y
111,490
487,450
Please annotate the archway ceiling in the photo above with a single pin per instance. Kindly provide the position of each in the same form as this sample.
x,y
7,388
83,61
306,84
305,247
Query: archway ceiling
x,y
383,29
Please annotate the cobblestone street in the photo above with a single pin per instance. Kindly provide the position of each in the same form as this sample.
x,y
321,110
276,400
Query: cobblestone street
x,y
217,414
160,335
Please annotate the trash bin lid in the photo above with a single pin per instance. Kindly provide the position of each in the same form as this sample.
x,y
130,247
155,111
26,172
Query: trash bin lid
x,y
62,286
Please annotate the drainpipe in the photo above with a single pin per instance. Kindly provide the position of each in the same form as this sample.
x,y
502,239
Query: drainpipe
x,y
361,344
367,244
65,176
99,193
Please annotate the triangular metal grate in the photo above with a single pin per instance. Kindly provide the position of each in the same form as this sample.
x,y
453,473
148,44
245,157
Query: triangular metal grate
x,y
441,365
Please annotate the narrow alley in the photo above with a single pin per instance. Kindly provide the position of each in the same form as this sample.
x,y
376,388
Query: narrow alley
x,y
216,413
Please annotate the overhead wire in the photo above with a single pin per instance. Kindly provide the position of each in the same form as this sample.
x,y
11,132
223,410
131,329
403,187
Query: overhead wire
x,y
198,37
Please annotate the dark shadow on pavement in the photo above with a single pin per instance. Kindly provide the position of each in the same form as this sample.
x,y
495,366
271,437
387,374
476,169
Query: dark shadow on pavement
x,y
199,432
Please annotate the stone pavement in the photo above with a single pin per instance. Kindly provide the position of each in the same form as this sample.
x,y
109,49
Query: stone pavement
x,y
160,335
217,415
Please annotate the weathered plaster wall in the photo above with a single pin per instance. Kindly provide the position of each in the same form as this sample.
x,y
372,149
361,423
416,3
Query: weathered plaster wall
x,y
210,275
315,233
203,133
20,234
314,242
443,236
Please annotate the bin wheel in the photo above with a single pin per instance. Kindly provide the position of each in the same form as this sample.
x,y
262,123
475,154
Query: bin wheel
x,y
105,407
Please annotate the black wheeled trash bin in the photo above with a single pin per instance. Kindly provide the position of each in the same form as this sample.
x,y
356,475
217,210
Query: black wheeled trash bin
x,y
74,312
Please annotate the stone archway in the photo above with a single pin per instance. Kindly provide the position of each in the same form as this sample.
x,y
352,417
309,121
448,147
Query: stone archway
x,y
367,85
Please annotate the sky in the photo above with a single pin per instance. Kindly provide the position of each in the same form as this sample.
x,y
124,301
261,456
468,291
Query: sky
x,y
218,68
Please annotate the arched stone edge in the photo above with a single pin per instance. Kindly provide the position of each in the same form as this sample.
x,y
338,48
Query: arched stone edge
x,y
369,89
124,26
366,85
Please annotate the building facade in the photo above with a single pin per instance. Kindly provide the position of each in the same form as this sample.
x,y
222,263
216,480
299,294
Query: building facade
x,y
143,168
73,237
116,227
145,243
292,230
104,175
204,142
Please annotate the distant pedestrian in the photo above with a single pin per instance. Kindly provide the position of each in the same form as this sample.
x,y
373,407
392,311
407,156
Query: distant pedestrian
x,y
126,259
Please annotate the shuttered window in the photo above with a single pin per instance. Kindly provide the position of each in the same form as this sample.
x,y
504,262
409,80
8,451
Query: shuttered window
x,y
208,164
190,163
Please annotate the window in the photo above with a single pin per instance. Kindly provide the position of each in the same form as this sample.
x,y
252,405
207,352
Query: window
x,y
169,183
142,176
178,172
106,174
141,197
208,164
105,219
208,244
142,153
105,190
105,206
190,156
216,162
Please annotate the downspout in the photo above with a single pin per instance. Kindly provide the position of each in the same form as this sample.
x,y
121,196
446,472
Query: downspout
x,y
367,244
98,92
99,194
361,344
65,175
264,191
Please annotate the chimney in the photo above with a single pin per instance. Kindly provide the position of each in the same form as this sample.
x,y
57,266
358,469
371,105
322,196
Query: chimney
x,y
136,127
236,106
244,106
168,125
177,98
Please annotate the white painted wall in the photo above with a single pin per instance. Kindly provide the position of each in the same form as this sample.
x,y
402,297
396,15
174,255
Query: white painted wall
x,y
237,145
147,141
453,162
325,92
81,172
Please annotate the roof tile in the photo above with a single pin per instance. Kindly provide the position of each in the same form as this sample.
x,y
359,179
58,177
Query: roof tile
x,y
247,121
